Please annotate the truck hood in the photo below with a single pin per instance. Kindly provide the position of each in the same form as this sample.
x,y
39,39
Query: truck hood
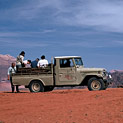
x,y
90,69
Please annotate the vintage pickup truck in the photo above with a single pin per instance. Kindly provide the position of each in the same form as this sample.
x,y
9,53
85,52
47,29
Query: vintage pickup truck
x,y
64,71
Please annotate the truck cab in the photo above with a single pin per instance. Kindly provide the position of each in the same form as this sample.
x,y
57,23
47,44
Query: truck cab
x,y
71,71
66,70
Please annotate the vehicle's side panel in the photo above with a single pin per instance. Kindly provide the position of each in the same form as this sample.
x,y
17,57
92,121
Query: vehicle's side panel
x,y
79,77
82,73
46,79
65,75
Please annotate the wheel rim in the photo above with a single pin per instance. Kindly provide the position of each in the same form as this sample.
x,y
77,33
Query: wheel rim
x,y
95,85
36,87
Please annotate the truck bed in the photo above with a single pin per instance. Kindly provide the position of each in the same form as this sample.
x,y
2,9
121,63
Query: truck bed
x,y
25,75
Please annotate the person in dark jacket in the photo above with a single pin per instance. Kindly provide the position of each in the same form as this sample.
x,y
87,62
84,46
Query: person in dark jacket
x,y
34,63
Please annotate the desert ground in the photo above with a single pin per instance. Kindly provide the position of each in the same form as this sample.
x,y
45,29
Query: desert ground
x,y
62,106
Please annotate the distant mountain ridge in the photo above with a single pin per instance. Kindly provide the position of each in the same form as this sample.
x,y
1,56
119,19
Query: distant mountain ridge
x,y
113,71
117,76
6,59
5,62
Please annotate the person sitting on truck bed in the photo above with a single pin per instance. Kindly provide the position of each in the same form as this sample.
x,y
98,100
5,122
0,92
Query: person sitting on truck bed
x,y
27,63
12,70
34,63
43,62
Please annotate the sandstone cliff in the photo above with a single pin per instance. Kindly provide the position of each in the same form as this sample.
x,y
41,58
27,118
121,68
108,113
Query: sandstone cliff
x,y
5,62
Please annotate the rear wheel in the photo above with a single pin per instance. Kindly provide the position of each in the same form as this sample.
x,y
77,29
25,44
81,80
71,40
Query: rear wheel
x,y
95,84
36,86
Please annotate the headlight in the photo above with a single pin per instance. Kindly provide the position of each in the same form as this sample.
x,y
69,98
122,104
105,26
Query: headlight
x,y
109,75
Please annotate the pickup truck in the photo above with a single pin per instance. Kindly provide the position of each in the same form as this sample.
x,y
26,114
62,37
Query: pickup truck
x,y
64,71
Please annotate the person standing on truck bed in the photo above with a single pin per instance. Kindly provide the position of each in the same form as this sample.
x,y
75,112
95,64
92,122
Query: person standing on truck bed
x,y
43,62
12,70
19,60
34,63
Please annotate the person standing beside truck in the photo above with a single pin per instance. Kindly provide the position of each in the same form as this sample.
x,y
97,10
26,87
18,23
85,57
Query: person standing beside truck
x,y
43,62
12,70
19,60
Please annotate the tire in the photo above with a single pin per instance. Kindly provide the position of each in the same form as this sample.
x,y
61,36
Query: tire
x,y
95,84
36,86
48,88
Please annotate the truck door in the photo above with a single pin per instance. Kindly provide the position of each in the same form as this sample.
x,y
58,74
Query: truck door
x,y
66,72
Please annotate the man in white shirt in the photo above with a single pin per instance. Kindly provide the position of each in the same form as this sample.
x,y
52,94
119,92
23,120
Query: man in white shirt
x,y
12,70
43,62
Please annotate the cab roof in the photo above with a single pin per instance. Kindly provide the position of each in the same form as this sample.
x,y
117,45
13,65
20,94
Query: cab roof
x,y
61,57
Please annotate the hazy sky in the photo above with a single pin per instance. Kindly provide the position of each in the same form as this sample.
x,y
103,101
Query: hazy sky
x,y
92,29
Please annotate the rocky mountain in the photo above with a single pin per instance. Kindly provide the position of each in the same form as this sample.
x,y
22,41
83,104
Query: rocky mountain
x,y
5,62
117,76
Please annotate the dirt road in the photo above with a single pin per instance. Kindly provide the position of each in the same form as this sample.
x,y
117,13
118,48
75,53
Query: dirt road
x,y
62,106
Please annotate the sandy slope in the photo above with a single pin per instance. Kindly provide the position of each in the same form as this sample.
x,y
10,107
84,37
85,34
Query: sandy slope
x,y
62,106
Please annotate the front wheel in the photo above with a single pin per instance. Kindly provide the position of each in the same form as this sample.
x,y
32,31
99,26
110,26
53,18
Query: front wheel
x,y
95,84
36,86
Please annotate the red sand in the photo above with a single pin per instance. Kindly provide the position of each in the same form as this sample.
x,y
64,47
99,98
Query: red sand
x,y
62,106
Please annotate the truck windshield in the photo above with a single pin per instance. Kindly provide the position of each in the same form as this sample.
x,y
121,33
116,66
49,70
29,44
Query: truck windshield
x,y
78,61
